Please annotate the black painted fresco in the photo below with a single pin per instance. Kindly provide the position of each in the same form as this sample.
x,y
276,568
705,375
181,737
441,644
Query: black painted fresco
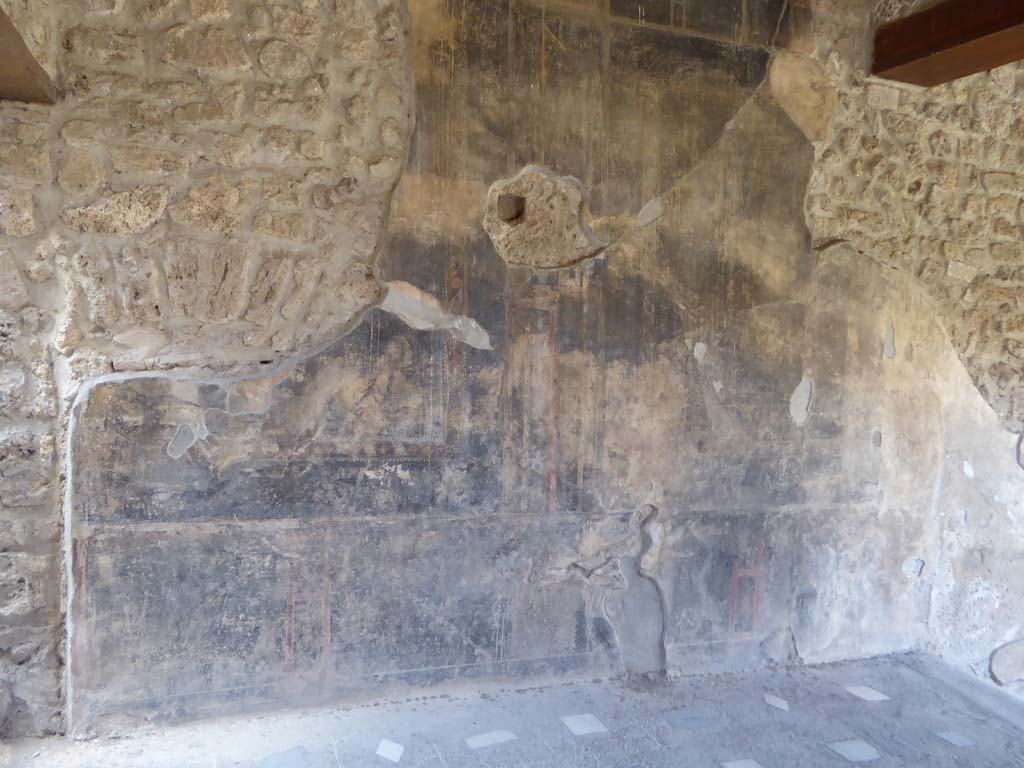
x,y
611,489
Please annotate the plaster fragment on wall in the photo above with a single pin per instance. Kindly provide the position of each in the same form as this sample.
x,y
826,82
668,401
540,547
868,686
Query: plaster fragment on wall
x,y
800,401
1007,663
968,470
700,349
535,219
184,438
913,567
889,345
1020,451
650,213
421,311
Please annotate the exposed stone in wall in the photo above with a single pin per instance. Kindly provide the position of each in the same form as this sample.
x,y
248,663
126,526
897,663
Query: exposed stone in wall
x,y
210,190
29,571
216,175
213,190
537,219
931,181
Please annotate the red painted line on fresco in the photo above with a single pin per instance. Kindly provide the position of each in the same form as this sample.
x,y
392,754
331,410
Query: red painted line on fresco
x,y
754,573
552,407
289,634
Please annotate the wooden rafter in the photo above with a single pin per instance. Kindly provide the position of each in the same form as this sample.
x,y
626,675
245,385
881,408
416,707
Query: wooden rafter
x,y
950,40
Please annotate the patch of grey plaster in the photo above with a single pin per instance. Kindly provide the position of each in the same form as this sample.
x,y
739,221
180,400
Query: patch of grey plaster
x,y
800,401
627,596
968,470
423,312
913,567
545,228
889,345
1007,663
184,438
650,213
700,349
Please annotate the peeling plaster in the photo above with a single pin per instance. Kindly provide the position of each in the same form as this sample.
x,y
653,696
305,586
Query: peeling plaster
x,y
183,439
889,345
628,595
422,312
800,401
650,213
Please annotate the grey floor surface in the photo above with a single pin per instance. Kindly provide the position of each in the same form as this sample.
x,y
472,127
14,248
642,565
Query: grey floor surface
x,y
894,711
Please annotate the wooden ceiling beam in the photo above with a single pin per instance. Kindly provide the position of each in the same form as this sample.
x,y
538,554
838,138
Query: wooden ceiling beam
x,y
21,76
950,40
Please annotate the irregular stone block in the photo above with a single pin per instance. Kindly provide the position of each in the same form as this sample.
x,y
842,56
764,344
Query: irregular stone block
x,y
26,461
12,288
288,225
536,219
211,10
283,61
147,161
22,161
17,213
93,48
215,205
122,213
206,48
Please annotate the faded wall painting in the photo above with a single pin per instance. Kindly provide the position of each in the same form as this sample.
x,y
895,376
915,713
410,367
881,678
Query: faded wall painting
x,y
671,461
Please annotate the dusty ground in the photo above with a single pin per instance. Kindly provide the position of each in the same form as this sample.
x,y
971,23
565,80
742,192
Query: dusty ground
x,y
693,722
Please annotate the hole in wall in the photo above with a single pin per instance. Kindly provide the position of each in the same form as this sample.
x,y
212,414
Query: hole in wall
x,y
511,208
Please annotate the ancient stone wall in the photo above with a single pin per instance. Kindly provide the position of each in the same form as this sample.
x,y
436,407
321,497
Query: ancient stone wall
x,y
692,443
929,182
209,191
721,425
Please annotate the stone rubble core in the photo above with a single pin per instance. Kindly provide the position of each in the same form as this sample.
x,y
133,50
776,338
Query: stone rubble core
x,y
216,178
536,219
